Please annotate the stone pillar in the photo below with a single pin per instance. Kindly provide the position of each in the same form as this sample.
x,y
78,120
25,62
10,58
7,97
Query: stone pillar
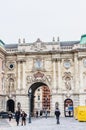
x,y
80,75
23,74
59,75
1,75
76,73
53,100
54,76
18,85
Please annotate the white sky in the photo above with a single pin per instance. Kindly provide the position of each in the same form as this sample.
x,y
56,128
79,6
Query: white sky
x,y
32,19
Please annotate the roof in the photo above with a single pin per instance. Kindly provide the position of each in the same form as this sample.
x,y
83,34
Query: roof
x,y
2,43
63,43
10,46
68,43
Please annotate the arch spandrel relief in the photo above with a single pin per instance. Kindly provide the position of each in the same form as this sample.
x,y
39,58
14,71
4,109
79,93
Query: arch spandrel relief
x,y
37,77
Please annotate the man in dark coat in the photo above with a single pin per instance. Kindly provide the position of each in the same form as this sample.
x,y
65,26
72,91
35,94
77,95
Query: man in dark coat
x,y
17,117
57,113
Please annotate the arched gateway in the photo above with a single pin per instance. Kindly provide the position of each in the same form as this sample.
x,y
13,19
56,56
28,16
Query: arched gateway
x,y
40,98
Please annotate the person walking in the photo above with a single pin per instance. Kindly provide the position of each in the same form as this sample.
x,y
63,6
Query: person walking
x,y
23,118
10,115
36,114
17,116
57,113
46,114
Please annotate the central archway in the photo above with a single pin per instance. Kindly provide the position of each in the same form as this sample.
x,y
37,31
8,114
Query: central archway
x,y
40,98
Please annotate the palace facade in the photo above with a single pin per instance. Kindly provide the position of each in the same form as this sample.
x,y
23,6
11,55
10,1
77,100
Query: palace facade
x,y
57,66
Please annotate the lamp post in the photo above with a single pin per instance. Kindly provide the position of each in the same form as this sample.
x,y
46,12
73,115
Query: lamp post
x,y
29,94
46,99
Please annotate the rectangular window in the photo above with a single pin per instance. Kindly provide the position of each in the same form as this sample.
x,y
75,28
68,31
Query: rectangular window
x,y
38,97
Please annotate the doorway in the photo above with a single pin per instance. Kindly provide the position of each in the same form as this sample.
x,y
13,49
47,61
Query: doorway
x,y
10,105
68,108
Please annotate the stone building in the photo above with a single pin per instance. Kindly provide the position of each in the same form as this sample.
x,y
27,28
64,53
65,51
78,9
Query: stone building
x,y
58,65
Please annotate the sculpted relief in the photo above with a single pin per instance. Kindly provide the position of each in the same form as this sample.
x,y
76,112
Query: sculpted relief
x,y
38,77
10,83
67,78
68,83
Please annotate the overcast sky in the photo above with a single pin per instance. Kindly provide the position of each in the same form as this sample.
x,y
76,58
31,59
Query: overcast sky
x,y
32,19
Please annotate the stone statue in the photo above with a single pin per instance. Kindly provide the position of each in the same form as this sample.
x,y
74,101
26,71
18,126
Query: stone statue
x,y
68,83
11,85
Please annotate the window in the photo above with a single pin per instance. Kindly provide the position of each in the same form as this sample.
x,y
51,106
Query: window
x,y
38,104
38,89
38,97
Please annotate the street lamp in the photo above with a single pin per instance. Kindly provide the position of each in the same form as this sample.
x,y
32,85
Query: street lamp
x,y
46,100
29,94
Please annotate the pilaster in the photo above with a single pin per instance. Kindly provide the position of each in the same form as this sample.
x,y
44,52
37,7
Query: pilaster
x,y
80,75
76,72
59,74
54,76
23,75
18,85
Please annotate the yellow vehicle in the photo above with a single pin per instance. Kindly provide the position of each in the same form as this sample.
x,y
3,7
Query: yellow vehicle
x,y
80,113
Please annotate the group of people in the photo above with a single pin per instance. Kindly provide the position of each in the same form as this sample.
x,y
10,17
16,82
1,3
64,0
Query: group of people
x,y
57,114
42,113
18,115
23,115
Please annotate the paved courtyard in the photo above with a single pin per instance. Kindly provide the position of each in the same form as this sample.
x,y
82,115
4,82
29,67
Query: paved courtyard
x,y
44,124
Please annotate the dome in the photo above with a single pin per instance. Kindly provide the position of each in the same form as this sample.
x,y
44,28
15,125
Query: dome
x,y
83,39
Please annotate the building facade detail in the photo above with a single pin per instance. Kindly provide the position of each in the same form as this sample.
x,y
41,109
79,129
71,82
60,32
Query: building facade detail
x,y
58,66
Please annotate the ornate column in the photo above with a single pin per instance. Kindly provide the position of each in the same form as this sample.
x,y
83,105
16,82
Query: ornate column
x,y
59,74
80,75
54,75
18,85
23,74
76,72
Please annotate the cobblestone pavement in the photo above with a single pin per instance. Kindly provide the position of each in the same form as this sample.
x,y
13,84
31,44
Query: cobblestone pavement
x,y
4,123
44,124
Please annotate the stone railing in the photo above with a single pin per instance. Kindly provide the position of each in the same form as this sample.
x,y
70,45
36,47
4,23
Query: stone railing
x,y
66,48
79,46
55,49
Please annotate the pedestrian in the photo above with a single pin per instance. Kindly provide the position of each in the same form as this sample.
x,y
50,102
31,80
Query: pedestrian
x,y
57,113
69,113
41,113
36,114
46,114
23,118
10,115
17,116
